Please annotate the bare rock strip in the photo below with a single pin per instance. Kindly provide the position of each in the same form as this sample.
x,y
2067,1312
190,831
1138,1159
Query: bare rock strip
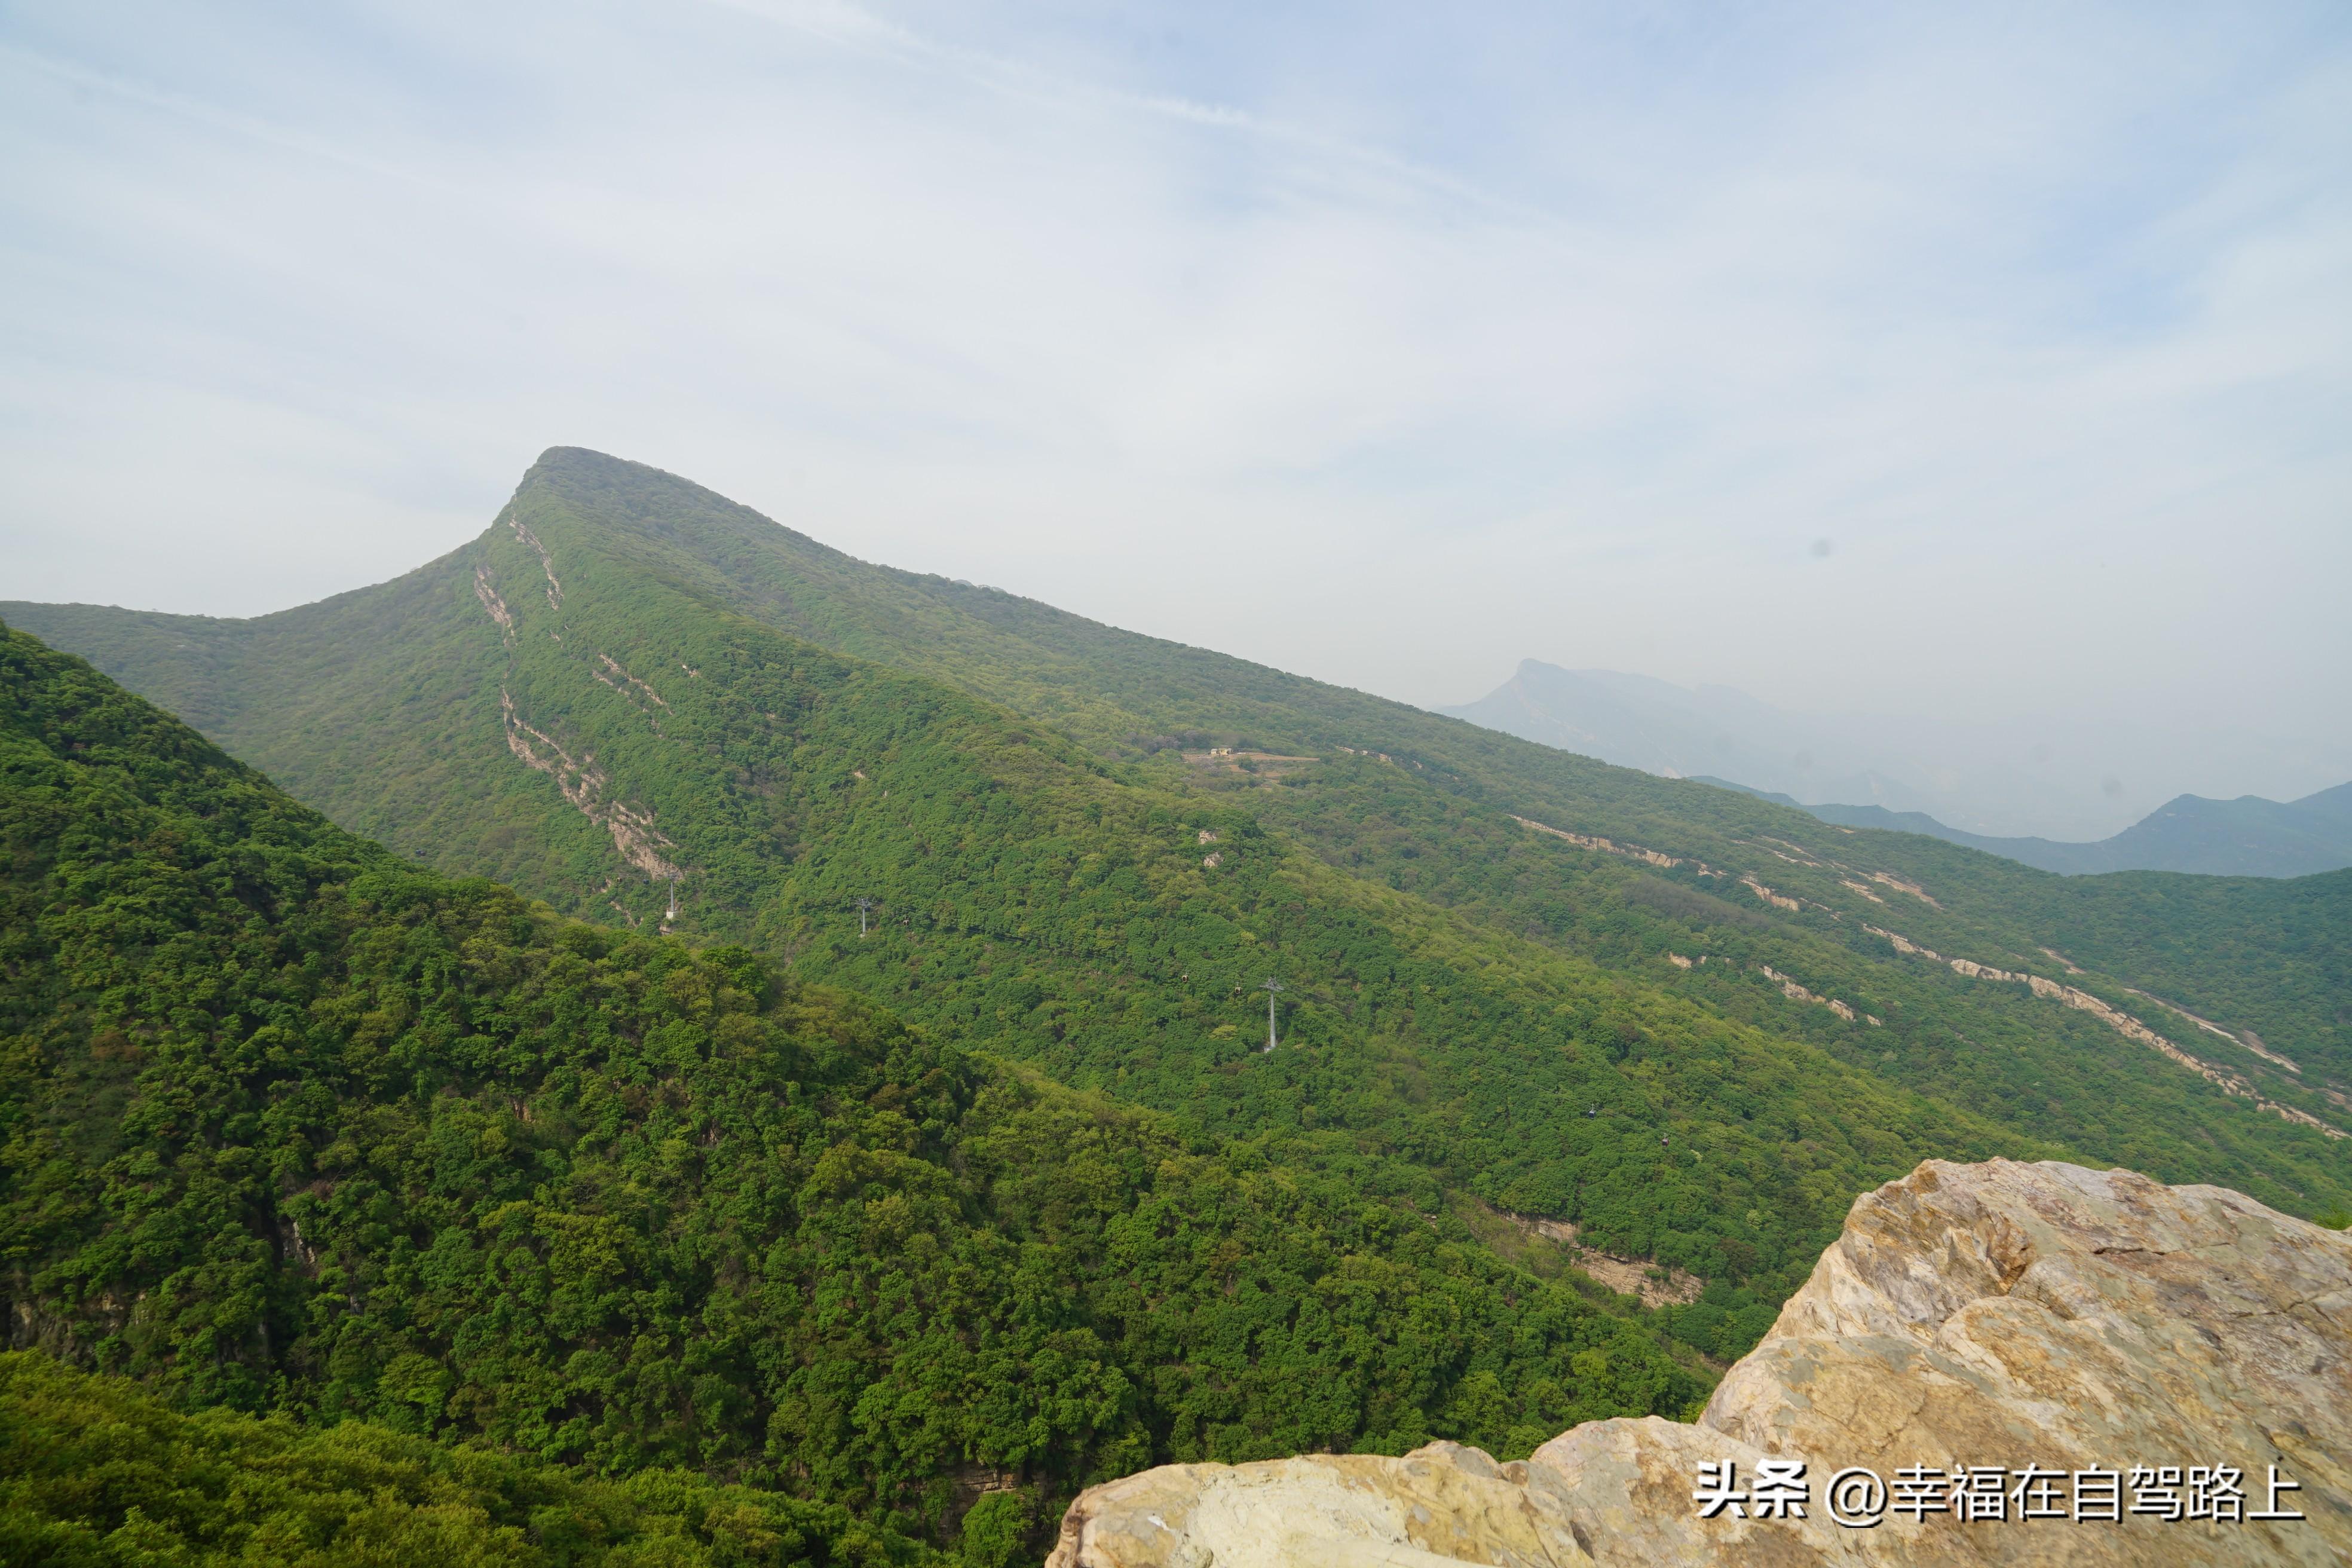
x,y
582,783
1795,991
487,593
2096,1342
546,562
1608,847
2130,1028
1626,1275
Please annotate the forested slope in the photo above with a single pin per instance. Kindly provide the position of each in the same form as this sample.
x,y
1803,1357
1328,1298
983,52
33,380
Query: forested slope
x,y
1465,985
291,1125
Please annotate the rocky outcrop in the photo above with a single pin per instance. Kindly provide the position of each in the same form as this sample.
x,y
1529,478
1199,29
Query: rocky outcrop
x,y
633,833
546,562
1441,1504
1654,1286
2125,1367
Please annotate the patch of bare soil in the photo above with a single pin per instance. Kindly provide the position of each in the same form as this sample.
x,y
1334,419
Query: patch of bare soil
x,y
1626,1275
1265,766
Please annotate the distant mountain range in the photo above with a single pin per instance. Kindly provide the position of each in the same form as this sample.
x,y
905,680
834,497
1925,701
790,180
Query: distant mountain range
x,y
2248,836
1907,778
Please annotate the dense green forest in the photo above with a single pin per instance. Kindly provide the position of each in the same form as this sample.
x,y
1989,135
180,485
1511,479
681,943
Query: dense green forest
x,y
292,1126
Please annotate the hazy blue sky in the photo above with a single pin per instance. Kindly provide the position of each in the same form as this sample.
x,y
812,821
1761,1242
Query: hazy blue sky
x,y
1974,360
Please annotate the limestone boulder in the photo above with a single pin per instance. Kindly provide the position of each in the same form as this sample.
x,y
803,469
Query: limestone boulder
x,y
1443,1504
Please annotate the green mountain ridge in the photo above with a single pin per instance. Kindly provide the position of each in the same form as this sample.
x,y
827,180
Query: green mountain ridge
x,y
1465,985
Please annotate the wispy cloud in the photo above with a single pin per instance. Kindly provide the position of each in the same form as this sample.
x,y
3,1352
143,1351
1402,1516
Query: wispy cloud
x,y
197,111
1393,344
855,28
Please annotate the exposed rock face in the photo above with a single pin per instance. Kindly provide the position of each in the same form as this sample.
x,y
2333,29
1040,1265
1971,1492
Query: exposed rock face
x,y
1441,1504
1969,1315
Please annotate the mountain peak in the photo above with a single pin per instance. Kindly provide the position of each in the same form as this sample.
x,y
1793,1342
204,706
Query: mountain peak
x,y
623,496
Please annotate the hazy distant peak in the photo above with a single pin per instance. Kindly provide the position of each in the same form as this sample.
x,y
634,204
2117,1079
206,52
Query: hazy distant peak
x,y
2248,836
2003,779
2327,804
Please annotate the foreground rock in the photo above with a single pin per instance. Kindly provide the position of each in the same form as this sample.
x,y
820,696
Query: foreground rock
x,y
1969,1316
